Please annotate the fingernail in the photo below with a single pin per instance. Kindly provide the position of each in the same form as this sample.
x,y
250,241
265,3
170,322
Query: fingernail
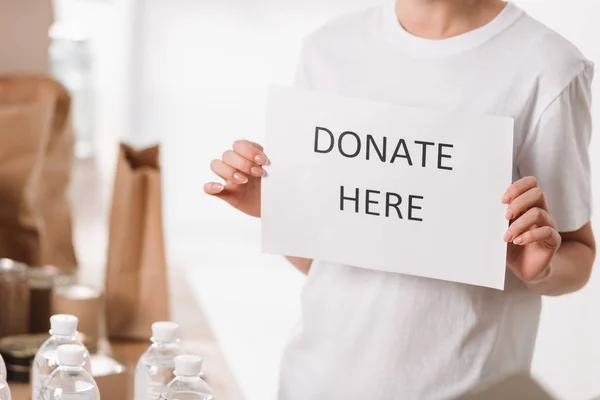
x,y
260,160
217,187
518,240
507,236
505,199
509,214
240,178
257,171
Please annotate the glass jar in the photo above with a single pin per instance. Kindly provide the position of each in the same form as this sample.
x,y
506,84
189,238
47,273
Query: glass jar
x,y
42,282
14,298
71,62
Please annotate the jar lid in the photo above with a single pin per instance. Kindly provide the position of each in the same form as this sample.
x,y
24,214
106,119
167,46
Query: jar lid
x,y
78,292
21,349
8,266
48,277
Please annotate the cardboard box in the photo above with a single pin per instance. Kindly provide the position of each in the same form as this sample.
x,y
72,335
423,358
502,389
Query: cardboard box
x,y
110,376
517,386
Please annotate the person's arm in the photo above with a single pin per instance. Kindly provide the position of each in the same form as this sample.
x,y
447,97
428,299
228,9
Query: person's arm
x,y
549,262
551,244
570,268
302,264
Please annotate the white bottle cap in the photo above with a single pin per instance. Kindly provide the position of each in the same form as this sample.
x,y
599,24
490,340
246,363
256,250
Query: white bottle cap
x,y
63,324
165,332
187,365
70,355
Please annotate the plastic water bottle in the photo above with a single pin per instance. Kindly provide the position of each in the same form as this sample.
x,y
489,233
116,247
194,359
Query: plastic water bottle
x,y
2,368
63,330
156,366
4,390
70,381
188,385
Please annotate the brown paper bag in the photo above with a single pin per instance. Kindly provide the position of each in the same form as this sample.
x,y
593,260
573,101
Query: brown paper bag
x,y
36,155
136,275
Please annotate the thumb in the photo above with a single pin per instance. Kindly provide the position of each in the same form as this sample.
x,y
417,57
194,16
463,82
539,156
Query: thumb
x,y
214,188
223,192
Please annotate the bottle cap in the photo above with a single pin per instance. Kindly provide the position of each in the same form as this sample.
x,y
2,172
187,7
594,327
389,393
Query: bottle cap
x,y
165,331
63,324
187,365
70,355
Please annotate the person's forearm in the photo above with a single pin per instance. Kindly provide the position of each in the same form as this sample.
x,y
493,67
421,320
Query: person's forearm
x,y
569,271
302,264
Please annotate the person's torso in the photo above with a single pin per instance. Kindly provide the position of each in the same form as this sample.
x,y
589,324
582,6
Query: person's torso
x,y
382,336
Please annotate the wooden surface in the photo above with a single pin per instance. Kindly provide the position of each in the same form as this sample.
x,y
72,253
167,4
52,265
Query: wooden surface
x,y
90,200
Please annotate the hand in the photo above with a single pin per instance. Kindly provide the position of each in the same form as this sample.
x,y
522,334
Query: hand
x,y
532,235
242,170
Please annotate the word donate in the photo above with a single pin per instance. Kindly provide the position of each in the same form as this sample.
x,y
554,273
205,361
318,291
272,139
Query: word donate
x,y
350,144
386,187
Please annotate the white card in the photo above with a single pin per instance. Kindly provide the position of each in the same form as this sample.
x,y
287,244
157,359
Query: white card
x,y
328,199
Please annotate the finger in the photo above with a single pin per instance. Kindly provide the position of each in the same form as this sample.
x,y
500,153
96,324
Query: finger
x,y
251,151
227,172
213,188
532,218
258,146
242,164
545,234
532,198
518,188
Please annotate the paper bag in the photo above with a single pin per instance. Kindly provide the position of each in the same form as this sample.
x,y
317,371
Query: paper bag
x,y
36,155
136,275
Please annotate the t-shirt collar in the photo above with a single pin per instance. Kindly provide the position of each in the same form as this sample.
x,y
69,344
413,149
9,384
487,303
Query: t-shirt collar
x,y
443,47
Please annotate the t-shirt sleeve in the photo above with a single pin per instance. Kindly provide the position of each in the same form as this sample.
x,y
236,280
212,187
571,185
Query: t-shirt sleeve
x,y
558,153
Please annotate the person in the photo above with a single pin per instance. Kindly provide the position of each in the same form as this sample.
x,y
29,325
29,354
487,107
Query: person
x,y
374,335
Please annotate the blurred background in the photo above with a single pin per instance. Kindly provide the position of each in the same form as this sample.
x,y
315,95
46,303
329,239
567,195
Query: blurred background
x,y
193,76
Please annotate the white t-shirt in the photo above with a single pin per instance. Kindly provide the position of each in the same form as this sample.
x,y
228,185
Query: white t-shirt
x,y
371,335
